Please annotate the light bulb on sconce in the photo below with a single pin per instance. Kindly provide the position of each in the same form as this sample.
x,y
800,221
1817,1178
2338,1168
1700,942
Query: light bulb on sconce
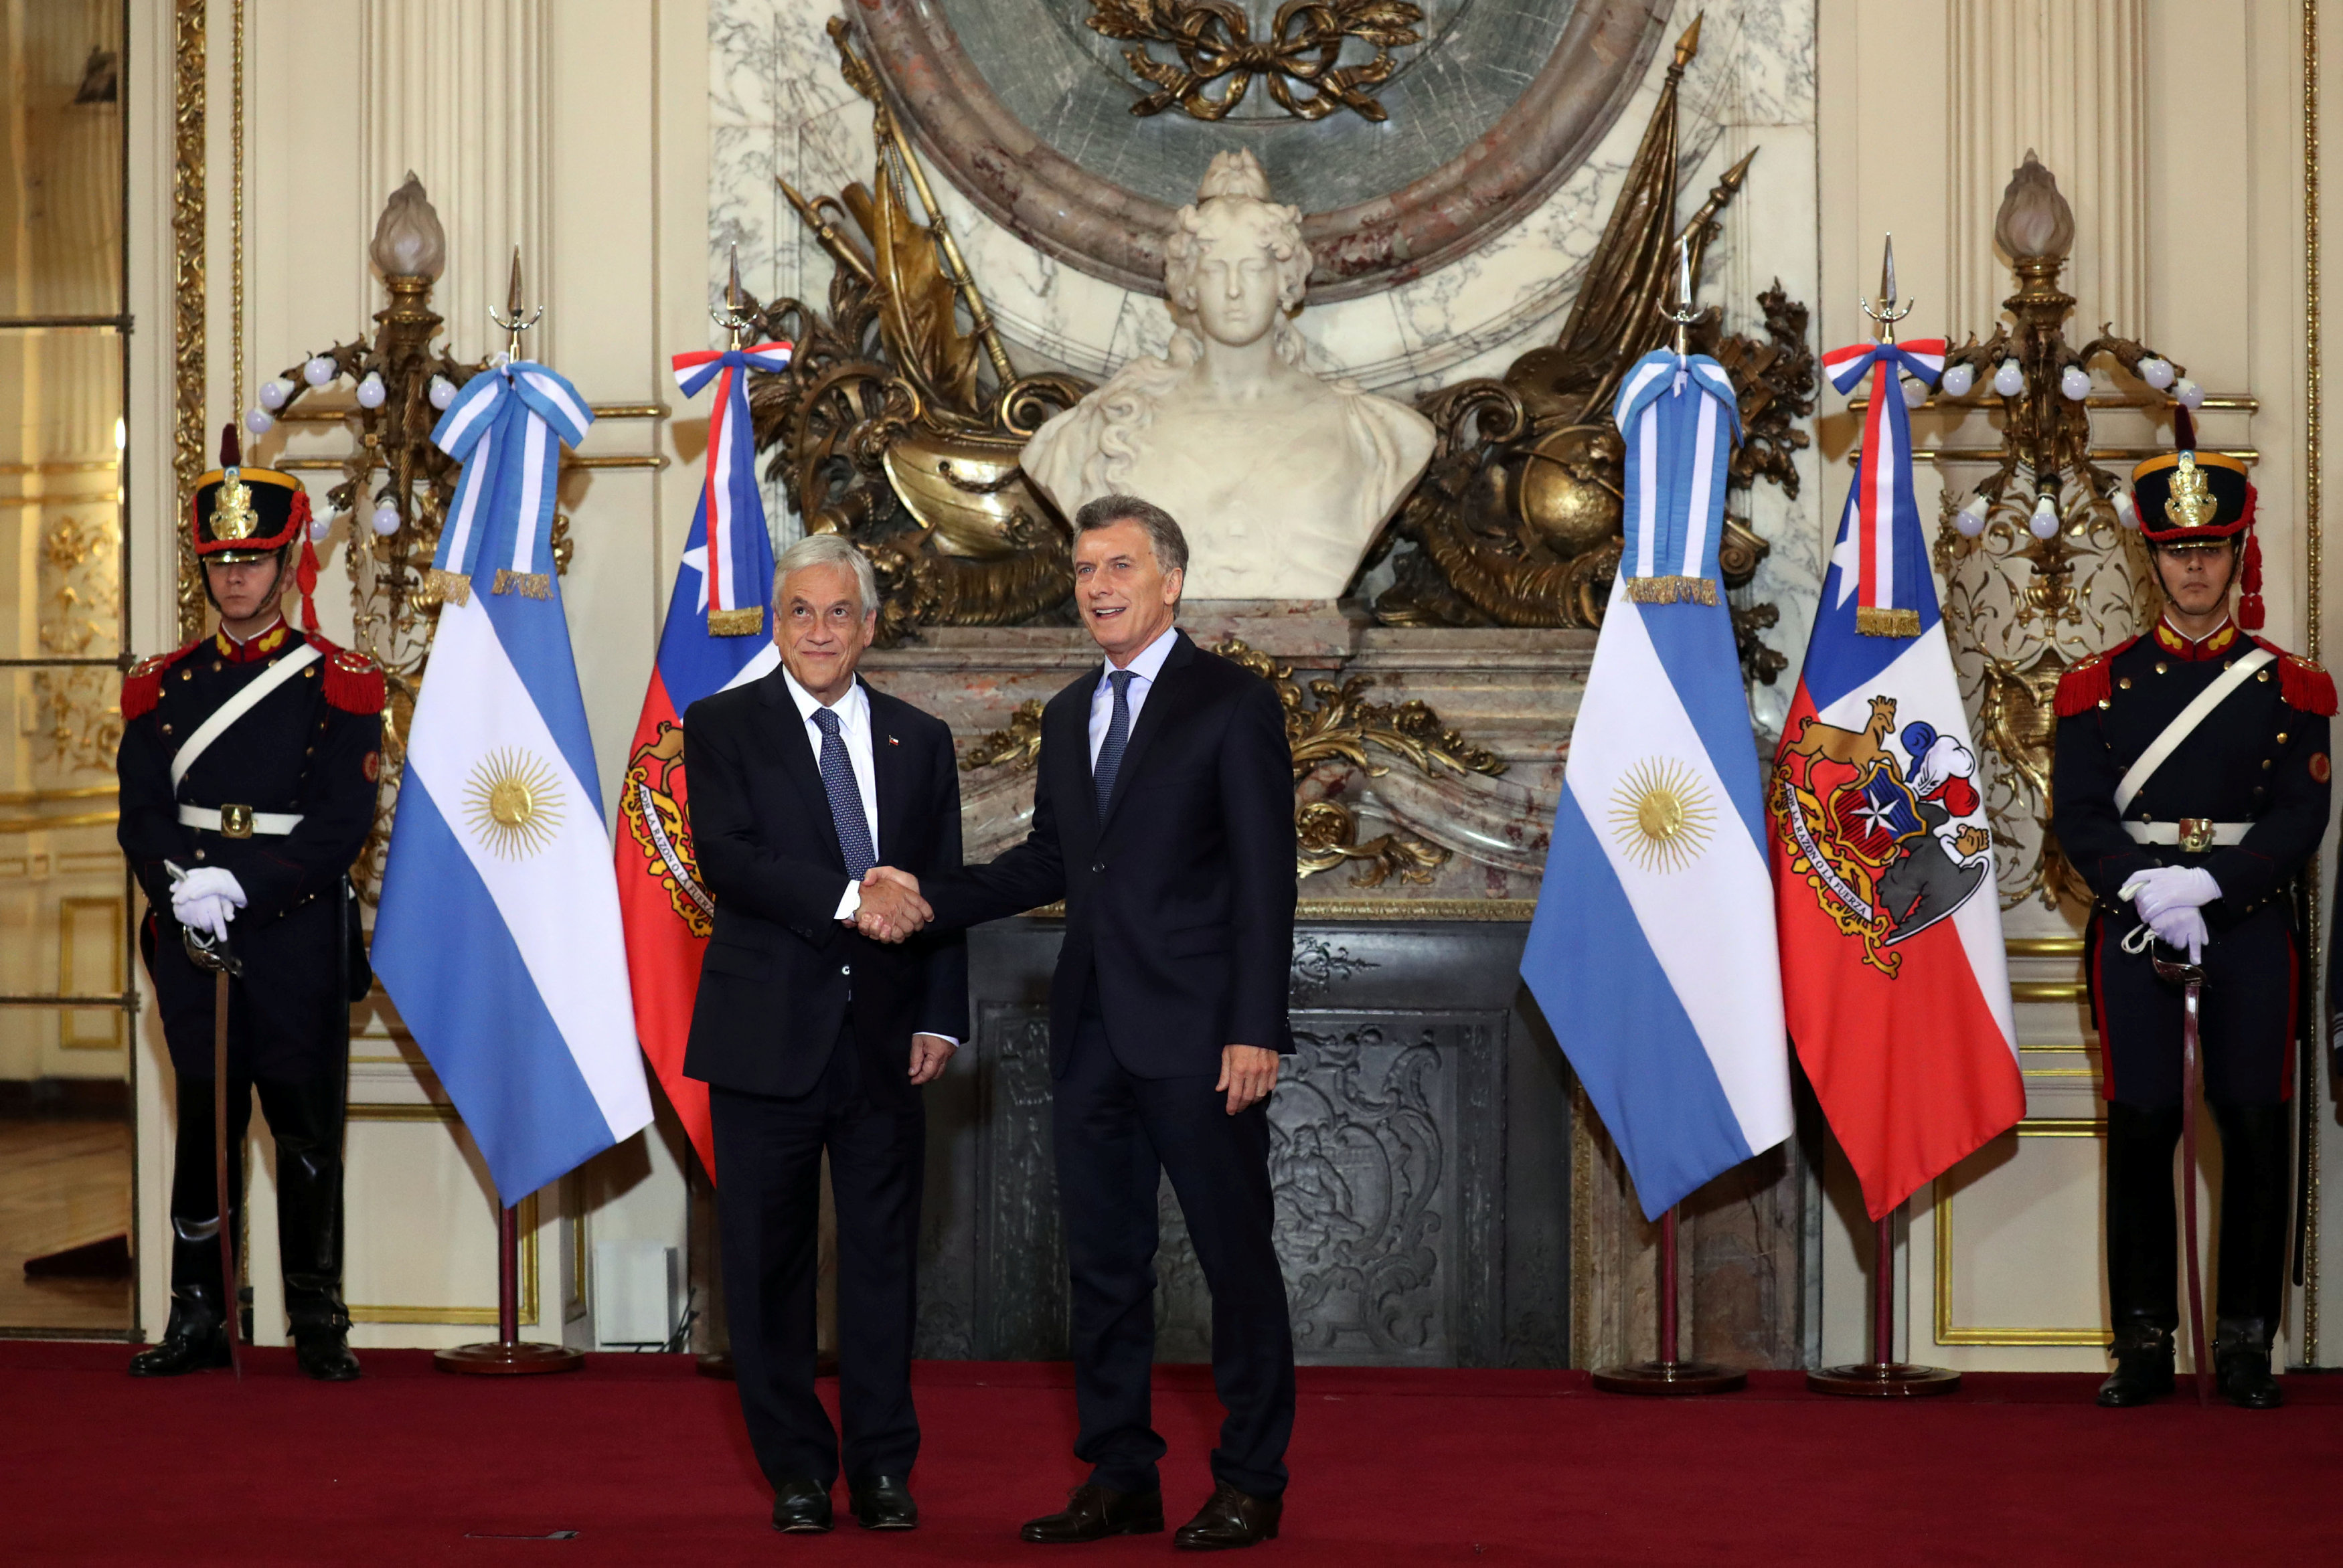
x,y
320,370
2044,523
2008,379
2075,383
274,392
258,421
386,519
443,392
1915,393
370,391
2157,372
2126,514
1970,519
1959,380
2187,393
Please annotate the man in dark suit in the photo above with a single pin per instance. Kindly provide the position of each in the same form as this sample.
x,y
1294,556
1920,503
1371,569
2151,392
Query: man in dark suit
x,y
812,1037
1163,817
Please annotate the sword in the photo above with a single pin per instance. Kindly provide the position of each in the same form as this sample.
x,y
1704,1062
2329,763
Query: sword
x,y
2190,978
207,952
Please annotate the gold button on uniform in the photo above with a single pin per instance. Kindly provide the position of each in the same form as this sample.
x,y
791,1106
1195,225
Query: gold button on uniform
x,y
2161,666
2125,683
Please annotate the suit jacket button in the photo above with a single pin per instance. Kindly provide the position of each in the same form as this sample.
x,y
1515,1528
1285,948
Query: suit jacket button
x,y
846,968
1098,867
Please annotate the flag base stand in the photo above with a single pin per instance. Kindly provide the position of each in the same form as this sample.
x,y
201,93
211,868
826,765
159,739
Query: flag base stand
x,y
508,1354
1882,1376
1668,1375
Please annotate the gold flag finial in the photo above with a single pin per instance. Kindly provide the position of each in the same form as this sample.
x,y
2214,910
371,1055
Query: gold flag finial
x,y
1689,44
510,320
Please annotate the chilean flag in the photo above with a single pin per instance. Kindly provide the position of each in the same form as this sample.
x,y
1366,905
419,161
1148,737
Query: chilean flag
x,y
1895,982
719,634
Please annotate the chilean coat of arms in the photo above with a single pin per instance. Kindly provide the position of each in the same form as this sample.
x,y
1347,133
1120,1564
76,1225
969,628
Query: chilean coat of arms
x,y
1879,825
661,830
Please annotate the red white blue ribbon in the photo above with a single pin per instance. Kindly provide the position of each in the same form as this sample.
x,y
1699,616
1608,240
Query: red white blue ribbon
x,y
733,507
1887,576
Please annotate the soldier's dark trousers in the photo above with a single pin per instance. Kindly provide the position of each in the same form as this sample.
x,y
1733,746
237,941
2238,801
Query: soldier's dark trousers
x,y
2142,1245
307,1120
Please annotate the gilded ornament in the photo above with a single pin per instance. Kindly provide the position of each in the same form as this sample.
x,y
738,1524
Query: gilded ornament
x,y
1299,58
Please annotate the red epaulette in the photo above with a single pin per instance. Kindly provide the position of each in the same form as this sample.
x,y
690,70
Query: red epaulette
x,y
141,688
354,680
2301,681
2089,683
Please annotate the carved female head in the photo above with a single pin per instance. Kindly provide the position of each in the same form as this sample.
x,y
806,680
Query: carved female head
x,y
1234,265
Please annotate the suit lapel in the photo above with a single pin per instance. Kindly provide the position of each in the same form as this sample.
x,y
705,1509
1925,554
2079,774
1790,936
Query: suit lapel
x,y
1066,747
1166,700
796,749
891,768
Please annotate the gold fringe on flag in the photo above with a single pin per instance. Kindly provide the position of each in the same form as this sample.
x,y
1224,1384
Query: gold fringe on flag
x,y
736,622
449,587
1872,622
1671,590
530,584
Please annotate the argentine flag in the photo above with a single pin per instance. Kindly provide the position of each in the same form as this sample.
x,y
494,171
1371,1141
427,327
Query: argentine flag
x,y
498,934
1653,951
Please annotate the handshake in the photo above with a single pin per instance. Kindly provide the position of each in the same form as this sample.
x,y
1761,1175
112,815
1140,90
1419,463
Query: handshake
x,y
892,907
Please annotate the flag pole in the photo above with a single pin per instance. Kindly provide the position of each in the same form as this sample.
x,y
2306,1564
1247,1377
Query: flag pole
x,y
508,1353
1882,1376
1668,1375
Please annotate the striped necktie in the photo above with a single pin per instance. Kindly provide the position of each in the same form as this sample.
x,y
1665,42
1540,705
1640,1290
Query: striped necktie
x,y
845,799
1117,736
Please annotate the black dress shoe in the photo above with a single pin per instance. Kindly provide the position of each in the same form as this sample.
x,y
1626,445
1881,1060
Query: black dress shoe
x,y
190,1345
883,1503
2241,1365
801,1507
323,1354
1094,1512
1231,1519
2143,1371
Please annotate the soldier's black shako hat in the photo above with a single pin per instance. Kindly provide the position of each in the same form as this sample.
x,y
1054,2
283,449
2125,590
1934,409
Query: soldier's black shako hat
x,y
241,514
2187,498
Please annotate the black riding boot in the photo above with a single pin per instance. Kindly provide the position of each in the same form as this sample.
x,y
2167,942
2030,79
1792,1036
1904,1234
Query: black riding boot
x,y
2255,1146
2143,1281
196,1336
306,1120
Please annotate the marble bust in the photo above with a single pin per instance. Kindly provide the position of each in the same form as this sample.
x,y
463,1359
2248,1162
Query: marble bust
x,y
1279,477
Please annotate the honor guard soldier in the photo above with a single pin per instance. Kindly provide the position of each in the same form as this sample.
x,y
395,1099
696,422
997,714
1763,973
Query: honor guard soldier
x,y
2190,789
247,778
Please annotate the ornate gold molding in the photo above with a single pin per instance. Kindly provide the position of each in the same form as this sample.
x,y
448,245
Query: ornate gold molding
x,y
1214,42
2311,500
1950,1333
187,294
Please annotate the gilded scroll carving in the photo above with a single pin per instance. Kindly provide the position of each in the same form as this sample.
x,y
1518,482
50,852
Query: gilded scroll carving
x,y
1298,58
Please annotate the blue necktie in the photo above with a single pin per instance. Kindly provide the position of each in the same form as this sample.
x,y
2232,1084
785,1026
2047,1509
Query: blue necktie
x,y
1117,736
845,800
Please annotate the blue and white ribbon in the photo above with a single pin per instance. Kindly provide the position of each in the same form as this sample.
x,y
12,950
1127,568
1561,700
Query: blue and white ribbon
x,y
507,427
1680,418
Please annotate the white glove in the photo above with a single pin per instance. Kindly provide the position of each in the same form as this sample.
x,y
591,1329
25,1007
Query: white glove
x,y
2162,888
207,899
2182,926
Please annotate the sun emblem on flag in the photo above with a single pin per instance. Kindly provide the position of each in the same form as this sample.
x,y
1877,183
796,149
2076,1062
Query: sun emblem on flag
x,y
1661,816
513,802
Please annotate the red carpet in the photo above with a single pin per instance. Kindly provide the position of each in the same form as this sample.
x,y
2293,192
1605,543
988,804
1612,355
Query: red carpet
x,y
648,1464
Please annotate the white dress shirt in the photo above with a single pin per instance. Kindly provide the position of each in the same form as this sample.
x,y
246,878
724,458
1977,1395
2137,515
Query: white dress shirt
x,y
1143,671
853,711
